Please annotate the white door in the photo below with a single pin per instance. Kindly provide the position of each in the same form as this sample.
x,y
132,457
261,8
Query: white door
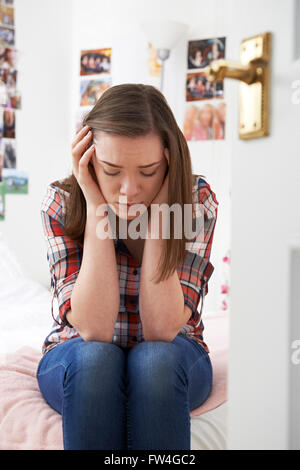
x,y
265,228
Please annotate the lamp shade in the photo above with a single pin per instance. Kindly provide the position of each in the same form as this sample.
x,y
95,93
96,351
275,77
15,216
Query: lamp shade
x,y
163,34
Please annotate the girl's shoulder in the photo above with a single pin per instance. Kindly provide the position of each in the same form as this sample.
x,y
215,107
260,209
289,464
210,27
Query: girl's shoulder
x,y
202,192
54,200
198,181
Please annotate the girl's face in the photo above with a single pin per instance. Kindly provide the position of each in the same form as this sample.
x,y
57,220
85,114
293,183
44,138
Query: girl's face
x,y
215,49
91,62
222,112
206,115
129,170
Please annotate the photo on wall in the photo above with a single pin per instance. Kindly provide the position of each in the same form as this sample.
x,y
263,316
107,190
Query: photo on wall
x,y
205,121
95,61
6,15
4,98
91,90
199,88
2,201
1,164
154,66
8,150
8,123
8,58
14,99
9,3
10,97
202,52
15,181
7,37
8,76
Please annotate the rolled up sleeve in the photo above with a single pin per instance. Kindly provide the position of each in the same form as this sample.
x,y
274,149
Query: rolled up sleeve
x,y
63,254
197,269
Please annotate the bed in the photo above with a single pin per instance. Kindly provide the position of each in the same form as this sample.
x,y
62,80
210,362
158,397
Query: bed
x,y
26,420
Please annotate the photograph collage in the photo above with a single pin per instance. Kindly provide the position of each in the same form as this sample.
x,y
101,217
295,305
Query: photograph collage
x,y
205,111
95,78
12,180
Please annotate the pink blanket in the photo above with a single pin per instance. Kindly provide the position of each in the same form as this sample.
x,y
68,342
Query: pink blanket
x,y
28,422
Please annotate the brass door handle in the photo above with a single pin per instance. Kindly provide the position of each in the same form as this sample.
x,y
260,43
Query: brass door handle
x,y
254,73
220,69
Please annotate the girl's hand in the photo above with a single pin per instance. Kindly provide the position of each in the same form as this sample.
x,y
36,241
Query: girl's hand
x,y
83,169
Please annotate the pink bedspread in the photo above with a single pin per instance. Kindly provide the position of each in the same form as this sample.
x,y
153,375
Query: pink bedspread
x,y
28,422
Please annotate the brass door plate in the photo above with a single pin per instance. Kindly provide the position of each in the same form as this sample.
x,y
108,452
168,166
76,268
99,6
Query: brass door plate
x,y
254,98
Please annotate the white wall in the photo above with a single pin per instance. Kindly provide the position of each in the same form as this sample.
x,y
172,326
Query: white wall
x,y
50,35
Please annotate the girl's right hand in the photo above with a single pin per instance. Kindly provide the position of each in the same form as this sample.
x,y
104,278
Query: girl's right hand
x,y
83,169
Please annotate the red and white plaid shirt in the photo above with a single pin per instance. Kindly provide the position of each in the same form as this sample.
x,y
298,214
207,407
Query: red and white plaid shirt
x,y
64,257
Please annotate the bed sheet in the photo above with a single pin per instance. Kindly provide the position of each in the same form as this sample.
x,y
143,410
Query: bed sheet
x,y
26,421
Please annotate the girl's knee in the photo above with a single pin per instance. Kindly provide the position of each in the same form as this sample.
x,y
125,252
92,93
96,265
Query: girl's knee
x,y
153,361
97,356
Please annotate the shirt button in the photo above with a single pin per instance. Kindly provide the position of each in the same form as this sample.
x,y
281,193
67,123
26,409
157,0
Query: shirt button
x,y
135,271
134,338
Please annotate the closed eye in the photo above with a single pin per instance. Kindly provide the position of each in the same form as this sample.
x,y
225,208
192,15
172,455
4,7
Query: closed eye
x,y
115,174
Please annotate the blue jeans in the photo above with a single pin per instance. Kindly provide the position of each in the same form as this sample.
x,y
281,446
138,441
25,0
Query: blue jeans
x,y
116,398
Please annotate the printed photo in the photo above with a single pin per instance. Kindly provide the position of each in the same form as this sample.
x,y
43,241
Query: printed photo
x,y
205,121
7,36
154,67
15,181
8,58
14,99
91,90
95,61
199,88
9,124
10,98
8,76
202,52
2,200
8,149
6,16
4,99
1,163
7,2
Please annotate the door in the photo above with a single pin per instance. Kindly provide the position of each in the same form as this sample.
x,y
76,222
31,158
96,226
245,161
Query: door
x,y
265,228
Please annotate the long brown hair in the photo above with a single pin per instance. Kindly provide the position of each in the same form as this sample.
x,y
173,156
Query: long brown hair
x,y
138,110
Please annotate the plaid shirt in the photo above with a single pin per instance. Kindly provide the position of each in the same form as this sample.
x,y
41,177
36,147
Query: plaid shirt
x,y
64,257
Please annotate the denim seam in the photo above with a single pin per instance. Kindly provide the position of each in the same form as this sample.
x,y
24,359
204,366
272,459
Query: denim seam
x,y
203,352
195,363
51,368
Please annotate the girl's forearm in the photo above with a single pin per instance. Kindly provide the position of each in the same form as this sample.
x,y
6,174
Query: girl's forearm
x,y
96,294
161,305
